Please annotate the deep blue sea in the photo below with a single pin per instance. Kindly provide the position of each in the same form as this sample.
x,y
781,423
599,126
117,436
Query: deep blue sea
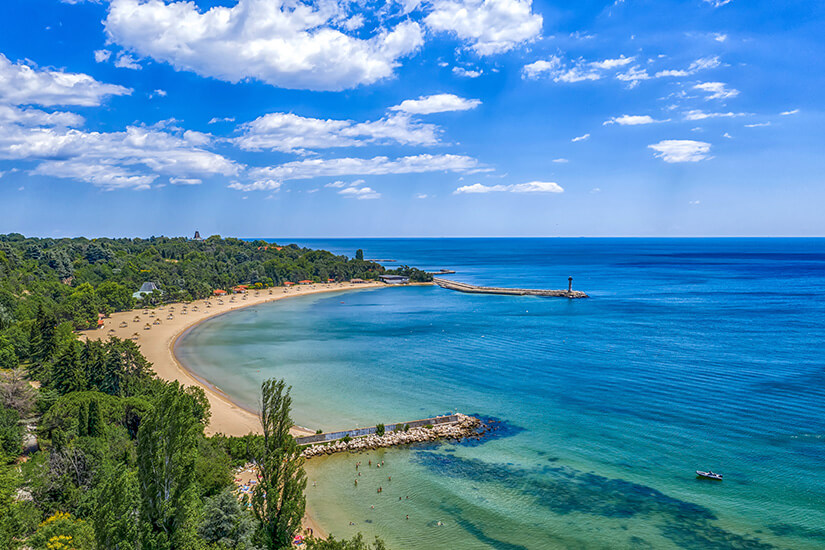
x,y
689,354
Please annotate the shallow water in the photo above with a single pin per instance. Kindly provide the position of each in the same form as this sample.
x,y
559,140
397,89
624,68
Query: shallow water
x,y
689,354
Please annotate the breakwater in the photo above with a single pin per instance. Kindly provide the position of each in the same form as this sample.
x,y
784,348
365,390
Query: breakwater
x,y
455,426
464,287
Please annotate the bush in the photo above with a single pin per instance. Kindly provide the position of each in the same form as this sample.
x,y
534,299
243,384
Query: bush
x,y
346,439
406,427
379,430
428,427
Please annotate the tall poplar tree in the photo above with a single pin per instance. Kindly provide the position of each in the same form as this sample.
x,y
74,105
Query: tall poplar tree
x,y
278,500
167,446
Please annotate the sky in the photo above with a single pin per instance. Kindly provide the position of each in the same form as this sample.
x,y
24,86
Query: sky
x,y
354,118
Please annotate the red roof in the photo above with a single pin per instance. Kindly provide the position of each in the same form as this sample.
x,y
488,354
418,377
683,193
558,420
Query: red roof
x,y
219,292
288,283
330,280
305,282
100,322
244,287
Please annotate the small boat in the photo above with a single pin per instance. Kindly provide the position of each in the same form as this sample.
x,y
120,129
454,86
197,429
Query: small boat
x,y
709,475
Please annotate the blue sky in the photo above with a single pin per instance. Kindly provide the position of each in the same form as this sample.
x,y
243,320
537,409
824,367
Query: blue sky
x,y
439,118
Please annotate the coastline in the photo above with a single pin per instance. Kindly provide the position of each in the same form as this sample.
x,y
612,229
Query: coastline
x,y
158,342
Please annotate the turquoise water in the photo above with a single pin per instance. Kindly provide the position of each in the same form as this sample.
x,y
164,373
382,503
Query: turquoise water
x,y
689,354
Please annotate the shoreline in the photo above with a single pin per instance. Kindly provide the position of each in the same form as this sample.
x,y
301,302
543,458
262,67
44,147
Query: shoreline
x,y
157,344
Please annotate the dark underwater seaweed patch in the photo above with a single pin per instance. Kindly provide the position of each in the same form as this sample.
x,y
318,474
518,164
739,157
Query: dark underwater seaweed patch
x,y
564,491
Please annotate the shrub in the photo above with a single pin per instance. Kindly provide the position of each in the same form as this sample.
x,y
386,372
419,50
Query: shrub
x,y
406,427
428,427
346,439
379,430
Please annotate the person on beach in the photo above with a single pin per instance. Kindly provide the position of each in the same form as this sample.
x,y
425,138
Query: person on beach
x,y
408,516
356,483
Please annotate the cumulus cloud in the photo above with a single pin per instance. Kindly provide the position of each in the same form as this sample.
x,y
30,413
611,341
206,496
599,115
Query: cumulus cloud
x,y
631,120
581,138
360,193
215,120
288,132
285,44
102,55
467,73
681,150
438,103
131,159
336,167
126,61
21,84
529,187
491,26
716,90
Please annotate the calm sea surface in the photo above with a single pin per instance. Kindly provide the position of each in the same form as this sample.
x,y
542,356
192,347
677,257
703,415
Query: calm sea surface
x,y
690,354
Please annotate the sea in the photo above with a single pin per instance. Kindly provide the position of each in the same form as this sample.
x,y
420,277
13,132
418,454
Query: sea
x,y
689,354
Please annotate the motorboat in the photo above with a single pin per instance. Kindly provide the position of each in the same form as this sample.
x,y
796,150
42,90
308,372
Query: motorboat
x,y
709,475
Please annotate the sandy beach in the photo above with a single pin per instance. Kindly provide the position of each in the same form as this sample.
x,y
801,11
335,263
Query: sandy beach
x,y
156,331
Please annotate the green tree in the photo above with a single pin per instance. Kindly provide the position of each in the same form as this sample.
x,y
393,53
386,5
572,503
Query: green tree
x,y
359,254
355,543
167,448
278,500
117,510
225,523
95,426
66,373
11,433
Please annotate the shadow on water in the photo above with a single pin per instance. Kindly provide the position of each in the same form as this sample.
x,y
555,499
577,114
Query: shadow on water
x,y
563,491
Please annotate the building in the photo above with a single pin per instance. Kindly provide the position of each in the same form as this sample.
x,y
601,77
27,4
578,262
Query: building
x,y
146,288
288,283
197,236
219,292
394,279
240,289
305,282
357,281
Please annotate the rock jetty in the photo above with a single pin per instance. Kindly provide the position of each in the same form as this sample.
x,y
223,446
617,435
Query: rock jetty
x,y
464,427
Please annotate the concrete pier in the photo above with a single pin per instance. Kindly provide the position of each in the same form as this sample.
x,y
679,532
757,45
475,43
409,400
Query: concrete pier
x,y
464,287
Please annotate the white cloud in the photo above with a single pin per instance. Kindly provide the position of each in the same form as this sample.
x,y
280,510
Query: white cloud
x,y
214,120
360,193
632,120
727,135
561,161
260,185
720,37
697,114
529,187
633,76
467,73
158,93
701,64
126,61
134,158
422,196
185,181
337,184
786,113
438,103
718,3
717,90
578,71
288,132
283,43
491,26
694,203
29,117
681,150
312,168
758,125
608,64
21,84
102,55
581,138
